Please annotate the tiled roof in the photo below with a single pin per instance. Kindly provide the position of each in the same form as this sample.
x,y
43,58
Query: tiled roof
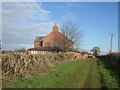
x,y
46,48
65,37
39,38
75,50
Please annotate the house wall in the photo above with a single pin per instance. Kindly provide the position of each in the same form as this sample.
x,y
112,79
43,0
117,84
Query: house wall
x,y
36,44
37,52
55,38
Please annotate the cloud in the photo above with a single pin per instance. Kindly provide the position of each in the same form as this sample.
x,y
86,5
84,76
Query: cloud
x,y
21,23
18,0
67,16
23,12
59,0
71,5
93,0
0,21
104,50
15,36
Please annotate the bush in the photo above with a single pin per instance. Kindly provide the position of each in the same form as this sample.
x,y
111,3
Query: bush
x,y
61,56
18,65
114,60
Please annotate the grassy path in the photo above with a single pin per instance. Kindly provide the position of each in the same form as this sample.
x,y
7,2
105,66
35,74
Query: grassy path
x,y
86,83
78,75
75,74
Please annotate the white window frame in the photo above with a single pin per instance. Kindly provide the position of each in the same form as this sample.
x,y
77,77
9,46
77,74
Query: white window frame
x,y
40,52
36,52
31,52
43,52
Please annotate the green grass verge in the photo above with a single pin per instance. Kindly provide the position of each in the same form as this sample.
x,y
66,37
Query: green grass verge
x,y
95,80
90,73
67,75
107,78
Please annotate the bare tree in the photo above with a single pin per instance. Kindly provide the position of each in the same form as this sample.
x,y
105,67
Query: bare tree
x,y
73,33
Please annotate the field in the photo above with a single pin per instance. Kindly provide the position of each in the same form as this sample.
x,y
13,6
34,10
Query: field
x,y
90,73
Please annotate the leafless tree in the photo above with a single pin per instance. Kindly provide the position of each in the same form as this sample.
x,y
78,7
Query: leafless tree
x,y
73,33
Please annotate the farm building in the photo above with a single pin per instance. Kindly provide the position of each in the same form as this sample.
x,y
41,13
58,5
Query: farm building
x,y
52,43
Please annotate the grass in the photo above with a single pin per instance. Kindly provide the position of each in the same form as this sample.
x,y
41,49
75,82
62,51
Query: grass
x,y
75,74
108,76
95,80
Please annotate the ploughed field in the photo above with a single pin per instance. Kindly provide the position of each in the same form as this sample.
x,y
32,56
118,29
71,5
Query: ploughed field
x,y
89,73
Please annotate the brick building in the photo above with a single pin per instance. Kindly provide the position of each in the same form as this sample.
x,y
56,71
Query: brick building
x,y
52,43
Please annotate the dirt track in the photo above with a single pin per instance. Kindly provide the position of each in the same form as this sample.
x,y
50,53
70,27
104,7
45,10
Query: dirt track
x,y
88,77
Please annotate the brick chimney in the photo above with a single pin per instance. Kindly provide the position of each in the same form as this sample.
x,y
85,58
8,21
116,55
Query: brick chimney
x,y
55,28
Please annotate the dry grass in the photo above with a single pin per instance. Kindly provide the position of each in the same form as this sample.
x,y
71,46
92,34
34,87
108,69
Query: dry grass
x,y
19,65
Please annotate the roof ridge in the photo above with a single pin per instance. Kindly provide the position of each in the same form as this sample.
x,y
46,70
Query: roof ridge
x,y
66,37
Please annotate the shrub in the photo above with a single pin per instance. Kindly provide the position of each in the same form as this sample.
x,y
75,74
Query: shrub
x,y
61,56
113,59
18,65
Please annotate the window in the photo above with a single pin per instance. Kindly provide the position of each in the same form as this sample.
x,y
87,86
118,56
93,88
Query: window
x,y
34,52
31,52
43,52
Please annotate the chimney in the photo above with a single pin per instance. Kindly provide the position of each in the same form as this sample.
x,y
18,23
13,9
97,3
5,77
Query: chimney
x,y
63,33
55,28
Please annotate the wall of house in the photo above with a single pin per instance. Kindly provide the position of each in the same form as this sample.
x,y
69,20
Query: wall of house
x,y
49,38
55,38
36,44
33,52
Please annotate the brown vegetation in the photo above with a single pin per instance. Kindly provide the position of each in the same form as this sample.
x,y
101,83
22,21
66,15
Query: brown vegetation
x,y
114,60
19,65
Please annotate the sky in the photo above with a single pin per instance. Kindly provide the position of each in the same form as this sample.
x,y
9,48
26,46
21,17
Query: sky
x,y
59,0
22,22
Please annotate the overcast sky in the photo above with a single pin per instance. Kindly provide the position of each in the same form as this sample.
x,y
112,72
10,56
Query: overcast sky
x,y
22,22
